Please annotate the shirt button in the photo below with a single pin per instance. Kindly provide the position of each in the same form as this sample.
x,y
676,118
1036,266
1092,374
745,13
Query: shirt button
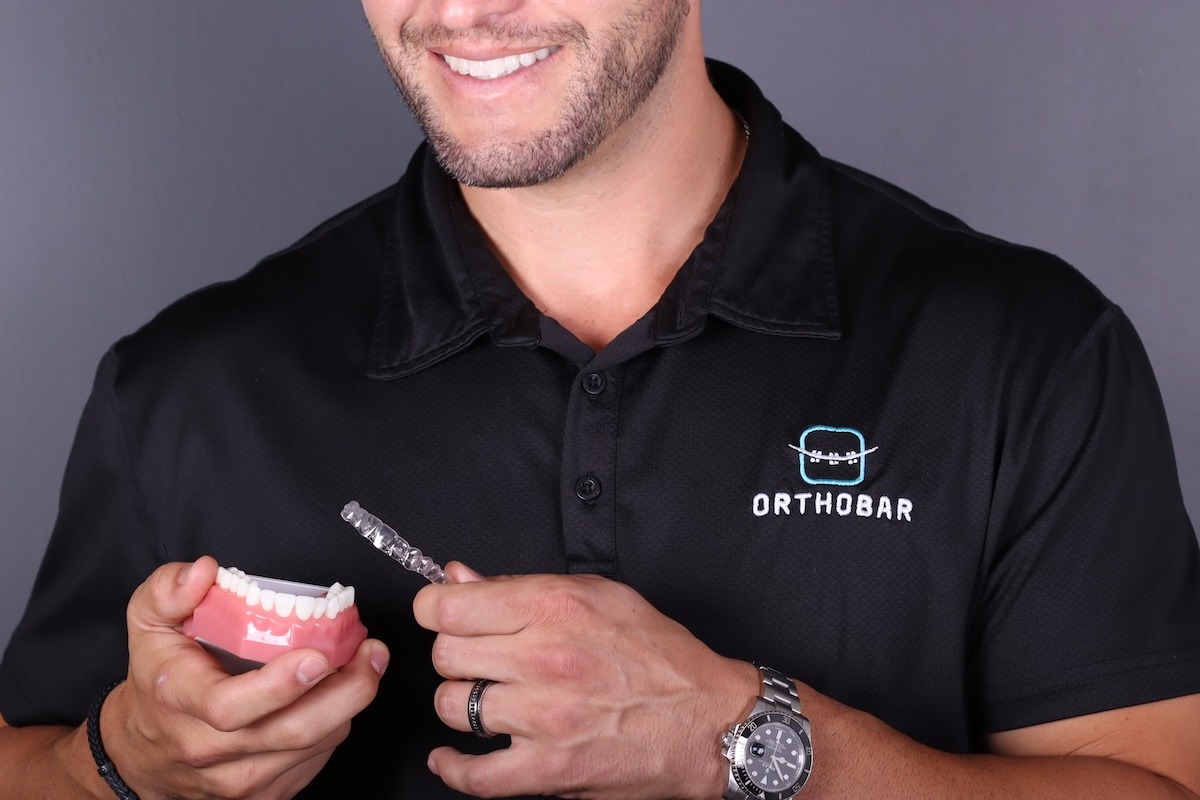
x,y
587,488
594,382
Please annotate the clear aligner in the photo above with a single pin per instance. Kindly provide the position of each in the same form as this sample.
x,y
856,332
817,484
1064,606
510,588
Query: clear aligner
x,y
391,543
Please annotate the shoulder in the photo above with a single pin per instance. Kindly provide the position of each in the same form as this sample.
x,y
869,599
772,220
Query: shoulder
x,y
309,299
895,251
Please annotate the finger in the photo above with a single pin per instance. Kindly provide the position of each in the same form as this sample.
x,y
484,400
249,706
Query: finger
x,y
478,608
170,595
502,773
191,681
501,658
451,699
271,774
341,696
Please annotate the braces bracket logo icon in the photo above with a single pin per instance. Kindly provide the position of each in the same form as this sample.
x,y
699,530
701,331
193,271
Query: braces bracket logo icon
x,y
832,456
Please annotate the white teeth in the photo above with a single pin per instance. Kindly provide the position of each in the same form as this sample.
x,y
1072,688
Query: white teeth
x,y
305,607
336,599
284,603
497,67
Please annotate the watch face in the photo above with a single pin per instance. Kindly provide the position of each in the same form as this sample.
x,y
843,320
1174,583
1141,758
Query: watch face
x,y
775,757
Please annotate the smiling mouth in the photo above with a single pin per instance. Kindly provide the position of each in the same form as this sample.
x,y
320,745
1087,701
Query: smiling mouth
x,y
497,67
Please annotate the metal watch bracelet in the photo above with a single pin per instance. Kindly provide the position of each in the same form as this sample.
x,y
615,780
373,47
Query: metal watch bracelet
x,y
779,688
755,746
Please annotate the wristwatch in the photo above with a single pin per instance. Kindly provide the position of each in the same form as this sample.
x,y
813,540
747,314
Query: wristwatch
x,y
770,753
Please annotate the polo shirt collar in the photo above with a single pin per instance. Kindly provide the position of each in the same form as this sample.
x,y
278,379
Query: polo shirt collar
x,y
765,264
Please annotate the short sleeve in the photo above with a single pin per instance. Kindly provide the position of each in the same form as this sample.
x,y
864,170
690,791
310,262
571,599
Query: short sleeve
x,y
72,640
1090,595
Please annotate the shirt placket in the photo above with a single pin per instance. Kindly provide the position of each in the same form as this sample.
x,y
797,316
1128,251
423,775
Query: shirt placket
x,y
588,481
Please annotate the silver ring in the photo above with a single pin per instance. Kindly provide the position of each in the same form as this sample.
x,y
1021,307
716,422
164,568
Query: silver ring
x,y
475,707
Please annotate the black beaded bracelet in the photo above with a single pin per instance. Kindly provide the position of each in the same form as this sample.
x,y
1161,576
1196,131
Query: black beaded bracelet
x,y
104,765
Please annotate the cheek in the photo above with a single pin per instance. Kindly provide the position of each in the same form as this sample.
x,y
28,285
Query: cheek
x,y
387,17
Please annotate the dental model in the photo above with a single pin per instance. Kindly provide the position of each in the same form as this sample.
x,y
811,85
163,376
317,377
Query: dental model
x,y
247,620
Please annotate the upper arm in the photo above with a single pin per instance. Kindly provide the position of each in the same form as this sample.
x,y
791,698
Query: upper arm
x,y
1161,737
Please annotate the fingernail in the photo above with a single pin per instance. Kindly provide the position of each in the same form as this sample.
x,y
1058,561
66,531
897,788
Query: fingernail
x,y
183,574
380,658
432,766
310,670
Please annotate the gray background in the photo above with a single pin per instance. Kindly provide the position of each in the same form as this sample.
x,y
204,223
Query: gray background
x,y
148,148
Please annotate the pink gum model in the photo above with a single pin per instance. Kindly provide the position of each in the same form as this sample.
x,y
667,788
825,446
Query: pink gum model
x,y
247,620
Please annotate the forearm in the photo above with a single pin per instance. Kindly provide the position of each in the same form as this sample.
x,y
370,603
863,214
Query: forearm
x,y
45,762
857,756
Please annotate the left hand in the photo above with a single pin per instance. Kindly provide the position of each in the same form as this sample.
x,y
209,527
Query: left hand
x,y
603,696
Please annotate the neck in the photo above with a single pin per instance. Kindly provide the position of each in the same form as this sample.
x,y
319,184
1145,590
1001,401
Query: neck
x,y
596,248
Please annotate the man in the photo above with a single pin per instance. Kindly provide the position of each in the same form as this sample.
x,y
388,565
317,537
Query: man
x,y
711,398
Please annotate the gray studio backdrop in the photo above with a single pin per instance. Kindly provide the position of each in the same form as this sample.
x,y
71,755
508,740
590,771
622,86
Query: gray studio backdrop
x,y
148,148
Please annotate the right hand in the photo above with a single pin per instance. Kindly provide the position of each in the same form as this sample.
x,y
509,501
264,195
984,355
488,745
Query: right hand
x,y
181,727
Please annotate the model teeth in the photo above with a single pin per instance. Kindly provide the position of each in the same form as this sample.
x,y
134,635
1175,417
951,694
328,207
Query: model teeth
x,y
497,67
304,608
284,603
336,600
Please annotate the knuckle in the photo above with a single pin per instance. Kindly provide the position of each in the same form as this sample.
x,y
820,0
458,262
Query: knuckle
x,y
295,734
566,601
197,753
444,703
218,714
441,652
557,662
449,613
625,592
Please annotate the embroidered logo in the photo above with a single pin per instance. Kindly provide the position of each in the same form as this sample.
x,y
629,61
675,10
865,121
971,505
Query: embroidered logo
x,y
830,456
833,456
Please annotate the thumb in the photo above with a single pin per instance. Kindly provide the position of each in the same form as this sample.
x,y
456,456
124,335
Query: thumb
x,y
171,594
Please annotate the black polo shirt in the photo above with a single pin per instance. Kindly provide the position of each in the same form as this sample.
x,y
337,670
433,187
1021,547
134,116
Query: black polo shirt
x,y
923,470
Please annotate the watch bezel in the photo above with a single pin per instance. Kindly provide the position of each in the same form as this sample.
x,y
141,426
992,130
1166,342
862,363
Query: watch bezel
x,y
797,723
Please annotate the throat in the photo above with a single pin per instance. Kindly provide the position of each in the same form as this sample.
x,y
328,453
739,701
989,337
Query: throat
x,y
597,311
597,324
